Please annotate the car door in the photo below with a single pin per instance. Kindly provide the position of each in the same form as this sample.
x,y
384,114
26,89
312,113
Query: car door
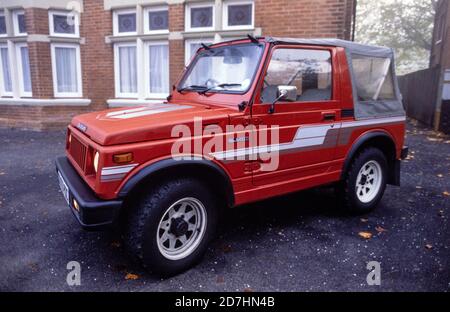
x,y
308,125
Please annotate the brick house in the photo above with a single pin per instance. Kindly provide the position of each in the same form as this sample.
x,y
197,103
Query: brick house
x,y
55,62
440,58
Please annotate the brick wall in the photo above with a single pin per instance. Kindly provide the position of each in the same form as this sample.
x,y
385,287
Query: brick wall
x,y
299,18
97,57
304,18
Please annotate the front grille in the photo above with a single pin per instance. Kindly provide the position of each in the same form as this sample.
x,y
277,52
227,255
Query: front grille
x,y
78,151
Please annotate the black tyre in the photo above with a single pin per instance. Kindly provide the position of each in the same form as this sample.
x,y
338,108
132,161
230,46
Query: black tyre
x,y
365,181
170,227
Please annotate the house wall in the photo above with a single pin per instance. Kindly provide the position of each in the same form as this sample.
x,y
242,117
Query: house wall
x,y
96,42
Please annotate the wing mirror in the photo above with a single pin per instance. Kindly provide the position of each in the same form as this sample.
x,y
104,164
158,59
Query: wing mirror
x,y
286,93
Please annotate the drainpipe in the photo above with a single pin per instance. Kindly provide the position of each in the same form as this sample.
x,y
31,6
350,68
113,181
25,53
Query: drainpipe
x,y
354,19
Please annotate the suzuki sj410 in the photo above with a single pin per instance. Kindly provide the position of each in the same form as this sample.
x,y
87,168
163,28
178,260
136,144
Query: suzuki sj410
x,y
248,120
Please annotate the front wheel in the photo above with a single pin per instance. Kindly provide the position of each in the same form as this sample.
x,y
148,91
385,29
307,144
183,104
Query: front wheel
x,y
170,228
365,181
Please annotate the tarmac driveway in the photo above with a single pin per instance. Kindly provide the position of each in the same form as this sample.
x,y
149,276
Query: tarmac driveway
x,y
298,242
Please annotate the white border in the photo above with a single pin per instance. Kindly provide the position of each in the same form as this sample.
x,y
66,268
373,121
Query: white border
x,y
188,54
15,14
2,82
147,10
187,16
229,3
119,94
75,46
22,91
116,14
52,32
147,79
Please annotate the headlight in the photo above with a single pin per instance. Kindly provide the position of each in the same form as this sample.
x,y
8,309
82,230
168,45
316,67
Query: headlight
x,y
96,156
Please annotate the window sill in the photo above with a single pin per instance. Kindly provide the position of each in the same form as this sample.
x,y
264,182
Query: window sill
x,y
44,102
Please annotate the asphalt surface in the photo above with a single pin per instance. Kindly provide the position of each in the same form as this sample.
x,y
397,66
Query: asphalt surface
x,y
299,242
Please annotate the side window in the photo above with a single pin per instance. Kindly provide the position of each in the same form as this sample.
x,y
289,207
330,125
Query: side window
x,y
310,71
373,77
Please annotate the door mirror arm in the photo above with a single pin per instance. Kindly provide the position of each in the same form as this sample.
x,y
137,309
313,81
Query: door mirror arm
x,y
283,94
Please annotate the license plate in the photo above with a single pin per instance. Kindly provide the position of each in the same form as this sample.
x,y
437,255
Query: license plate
x,y
63,187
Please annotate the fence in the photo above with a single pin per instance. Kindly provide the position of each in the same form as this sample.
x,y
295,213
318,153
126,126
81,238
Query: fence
x,y
420,91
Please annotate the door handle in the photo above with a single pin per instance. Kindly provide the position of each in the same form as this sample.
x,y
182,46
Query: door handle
x,y
329,116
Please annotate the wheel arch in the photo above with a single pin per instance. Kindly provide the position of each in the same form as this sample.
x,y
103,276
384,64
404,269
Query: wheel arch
x,y
381,140
205,170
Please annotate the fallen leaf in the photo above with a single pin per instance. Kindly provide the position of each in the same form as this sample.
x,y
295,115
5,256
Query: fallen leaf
x,y
440,175
364,220
366,235
380,229
248,289
419,187
441,213
220,279
446,193
429,246
115,244
131,276
226,248
2,173
433,139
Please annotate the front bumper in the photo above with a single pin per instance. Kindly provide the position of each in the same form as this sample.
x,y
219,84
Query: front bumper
x,y
92,213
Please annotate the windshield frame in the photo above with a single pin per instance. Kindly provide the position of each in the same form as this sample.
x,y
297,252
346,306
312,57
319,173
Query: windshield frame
x,y
202,50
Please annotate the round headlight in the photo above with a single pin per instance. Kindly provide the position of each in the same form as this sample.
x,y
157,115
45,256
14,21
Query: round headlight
x,y
96,156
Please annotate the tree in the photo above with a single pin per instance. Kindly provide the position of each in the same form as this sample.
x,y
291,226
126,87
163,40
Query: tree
x,y
405,25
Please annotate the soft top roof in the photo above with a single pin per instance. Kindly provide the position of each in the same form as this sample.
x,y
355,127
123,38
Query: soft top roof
x,y
350,46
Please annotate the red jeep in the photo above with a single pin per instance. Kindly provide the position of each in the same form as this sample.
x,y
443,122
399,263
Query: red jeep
x,y
248,120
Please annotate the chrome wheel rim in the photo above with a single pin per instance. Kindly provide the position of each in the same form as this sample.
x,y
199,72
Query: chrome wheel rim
x,y
368,182
181,229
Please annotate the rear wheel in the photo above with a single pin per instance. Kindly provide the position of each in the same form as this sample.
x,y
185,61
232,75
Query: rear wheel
x,y
170,227
365,181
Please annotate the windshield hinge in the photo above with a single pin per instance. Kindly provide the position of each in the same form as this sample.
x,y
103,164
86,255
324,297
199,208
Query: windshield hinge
x,y
242,105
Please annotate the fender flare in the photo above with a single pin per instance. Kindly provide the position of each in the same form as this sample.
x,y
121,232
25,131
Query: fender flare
x,y
154,168
358,143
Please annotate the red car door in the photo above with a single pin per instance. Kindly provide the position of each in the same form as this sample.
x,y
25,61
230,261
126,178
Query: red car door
x,y
308,123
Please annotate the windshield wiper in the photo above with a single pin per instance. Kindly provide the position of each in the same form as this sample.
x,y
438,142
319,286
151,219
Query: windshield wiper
x,y
222,85
194,88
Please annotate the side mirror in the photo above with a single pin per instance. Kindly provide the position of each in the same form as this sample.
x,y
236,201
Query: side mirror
x,y
287,93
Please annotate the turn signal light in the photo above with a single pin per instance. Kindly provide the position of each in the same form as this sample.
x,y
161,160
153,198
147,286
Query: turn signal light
x,y
123,158
76,206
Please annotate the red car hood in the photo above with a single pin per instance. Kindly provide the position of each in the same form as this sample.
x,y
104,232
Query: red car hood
x,y
144,123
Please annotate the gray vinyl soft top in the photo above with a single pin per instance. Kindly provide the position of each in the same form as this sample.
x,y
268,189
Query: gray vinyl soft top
x,y
363,108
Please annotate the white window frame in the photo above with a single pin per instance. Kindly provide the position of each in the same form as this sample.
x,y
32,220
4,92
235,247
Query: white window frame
x,y
119,94
116,14
2,13
187,49
22,91
3,92
147,44
67,14
15,18
187,18
228,3
57,94
147,10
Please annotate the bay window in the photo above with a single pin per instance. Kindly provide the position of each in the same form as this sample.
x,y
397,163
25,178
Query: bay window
x,y
2,24
156,20
200,16
125,68
19,23
238,14
63,24
124,23
66,70
23,66
157,70
5,72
